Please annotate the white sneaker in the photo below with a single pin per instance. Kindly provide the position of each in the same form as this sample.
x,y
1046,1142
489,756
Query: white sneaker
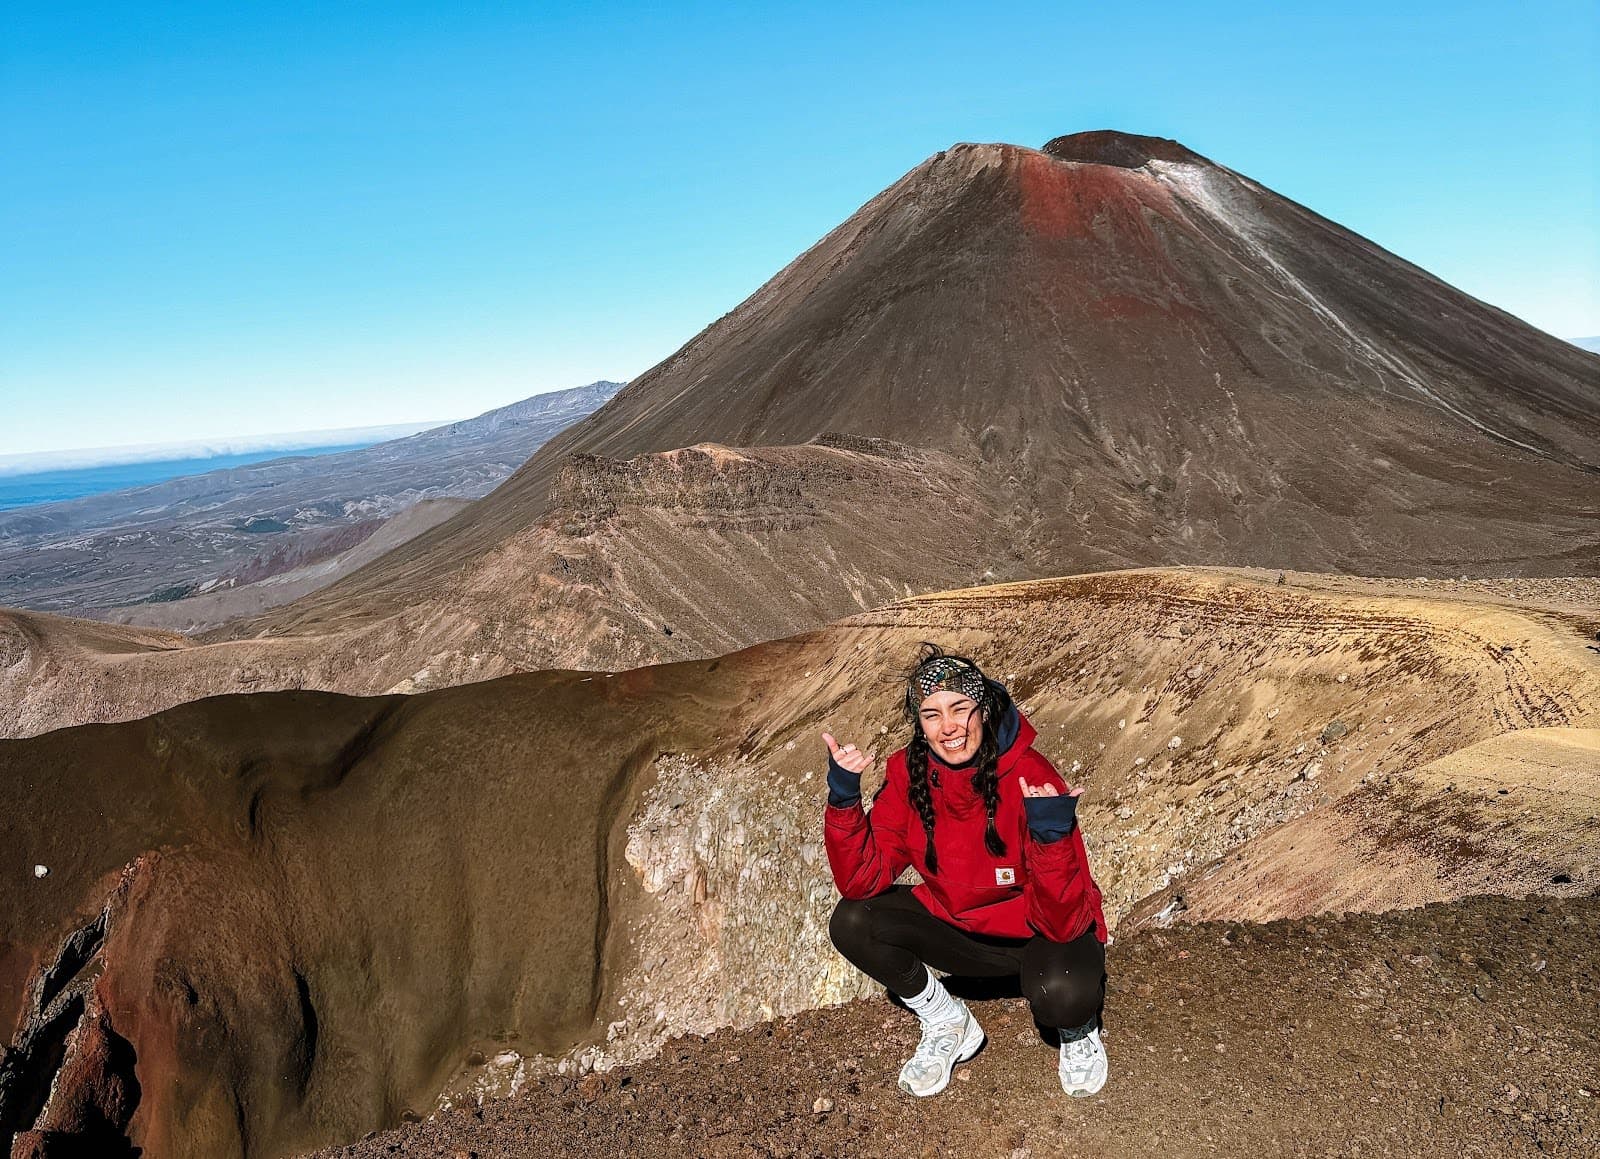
x,y
943,1045
1083,1067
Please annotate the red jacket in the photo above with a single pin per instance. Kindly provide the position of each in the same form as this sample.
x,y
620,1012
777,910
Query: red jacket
x,y
1032,888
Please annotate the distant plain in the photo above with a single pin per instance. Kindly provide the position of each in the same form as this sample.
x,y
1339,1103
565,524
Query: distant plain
x,y
77,483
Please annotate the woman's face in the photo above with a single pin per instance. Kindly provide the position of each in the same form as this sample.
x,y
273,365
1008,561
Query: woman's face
x,y
952,724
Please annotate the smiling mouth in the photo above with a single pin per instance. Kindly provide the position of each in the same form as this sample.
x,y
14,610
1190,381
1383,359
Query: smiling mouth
x,y
958,743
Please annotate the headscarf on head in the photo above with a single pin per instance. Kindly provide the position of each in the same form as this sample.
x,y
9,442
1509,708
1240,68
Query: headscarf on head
x,y
947,674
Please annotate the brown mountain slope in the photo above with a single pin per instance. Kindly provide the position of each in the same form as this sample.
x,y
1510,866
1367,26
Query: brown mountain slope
x,y
279,920
684,554
1174,363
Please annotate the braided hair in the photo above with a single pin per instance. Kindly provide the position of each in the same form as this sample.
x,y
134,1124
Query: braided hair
x,y
935,666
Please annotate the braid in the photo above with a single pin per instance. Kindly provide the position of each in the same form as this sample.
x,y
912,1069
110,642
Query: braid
x,y
987,782
921,795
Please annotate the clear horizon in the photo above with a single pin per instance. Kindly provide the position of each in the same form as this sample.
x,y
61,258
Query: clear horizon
x,y
278,216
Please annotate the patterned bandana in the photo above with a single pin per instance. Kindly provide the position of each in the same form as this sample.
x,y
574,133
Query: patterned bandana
x,y
944,673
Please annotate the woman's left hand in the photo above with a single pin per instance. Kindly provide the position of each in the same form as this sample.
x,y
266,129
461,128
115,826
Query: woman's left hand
x,y
1047,790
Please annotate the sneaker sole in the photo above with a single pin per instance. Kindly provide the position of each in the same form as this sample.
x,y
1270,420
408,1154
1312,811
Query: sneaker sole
x,y
1087,1093
970,1046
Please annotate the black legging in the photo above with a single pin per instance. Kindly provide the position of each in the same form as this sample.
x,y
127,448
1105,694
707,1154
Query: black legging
x,y
891,937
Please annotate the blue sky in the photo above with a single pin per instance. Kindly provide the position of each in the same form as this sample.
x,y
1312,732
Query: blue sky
x,y
222,220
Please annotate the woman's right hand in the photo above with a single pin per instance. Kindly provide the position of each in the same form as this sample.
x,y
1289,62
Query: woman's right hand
x,y
847,757
846,763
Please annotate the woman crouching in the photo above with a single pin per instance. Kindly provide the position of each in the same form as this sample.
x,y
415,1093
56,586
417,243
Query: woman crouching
x,y
1006,891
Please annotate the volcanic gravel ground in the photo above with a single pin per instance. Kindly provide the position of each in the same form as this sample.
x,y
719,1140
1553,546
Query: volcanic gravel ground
x,y
1461,1029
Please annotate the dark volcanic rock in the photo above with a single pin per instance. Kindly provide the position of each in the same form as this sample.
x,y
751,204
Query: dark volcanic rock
x,y
96,1090
258,967
1125,150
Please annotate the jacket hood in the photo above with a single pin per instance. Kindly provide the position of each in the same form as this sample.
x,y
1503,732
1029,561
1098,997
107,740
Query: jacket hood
x,y
1010,728
1016,736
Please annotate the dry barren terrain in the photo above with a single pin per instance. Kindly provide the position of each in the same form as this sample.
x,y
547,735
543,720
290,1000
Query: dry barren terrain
x,y
1468,1029
309,915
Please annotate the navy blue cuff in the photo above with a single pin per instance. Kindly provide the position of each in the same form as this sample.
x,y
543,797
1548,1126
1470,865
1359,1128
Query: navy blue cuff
x,y
844,787
1050,818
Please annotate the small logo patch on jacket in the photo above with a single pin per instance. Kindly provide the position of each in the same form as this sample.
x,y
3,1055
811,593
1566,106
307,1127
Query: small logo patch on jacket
x,y
1005,875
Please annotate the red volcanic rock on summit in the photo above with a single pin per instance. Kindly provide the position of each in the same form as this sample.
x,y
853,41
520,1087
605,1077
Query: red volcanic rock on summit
x,y
1166,361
